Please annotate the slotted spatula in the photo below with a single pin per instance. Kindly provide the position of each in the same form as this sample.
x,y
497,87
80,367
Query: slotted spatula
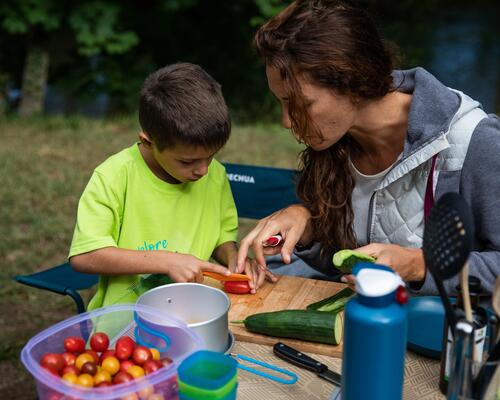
x,y
447,243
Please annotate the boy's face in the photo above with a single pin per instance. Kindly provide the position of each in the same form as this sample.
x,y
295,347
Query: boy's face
x,y
182,163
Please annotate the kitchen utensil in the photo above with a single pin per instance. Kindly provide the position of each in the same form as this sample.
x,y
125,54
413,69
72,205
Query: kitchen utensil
x,y
229,278
273,241
299,359
293,377
203,308
488,369
495,301
447,242
461,381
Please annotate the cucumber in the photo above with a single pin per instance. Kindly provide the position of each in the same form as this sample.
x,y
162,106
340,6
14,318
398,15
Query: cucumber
x,y
333,303
345,260
309,325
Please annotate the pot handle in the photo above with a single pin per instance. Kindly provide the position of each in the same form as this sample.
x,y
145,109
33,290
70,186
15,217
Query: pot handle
x,y
140,325
293,377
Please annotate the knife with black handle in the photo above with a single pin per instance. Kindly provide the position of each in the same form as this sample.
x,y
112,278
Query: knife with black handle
x,y
299,359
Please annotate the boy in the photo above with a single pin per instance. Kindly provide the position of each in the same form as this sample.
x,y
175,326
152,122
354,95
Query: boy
x,y
162,205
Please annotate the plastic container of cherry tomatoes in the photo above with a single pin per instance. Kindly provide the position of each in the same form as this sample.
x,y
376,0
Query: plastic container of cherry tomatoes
x,y
145,325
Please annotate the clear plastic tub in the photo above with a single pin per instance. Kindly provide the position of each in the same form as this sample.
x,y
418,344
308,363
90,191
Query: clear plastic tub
x,y
141,323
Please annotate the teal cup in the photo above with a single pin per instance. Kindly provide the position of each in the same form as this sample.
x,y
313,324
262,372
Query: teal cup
x,y
208,375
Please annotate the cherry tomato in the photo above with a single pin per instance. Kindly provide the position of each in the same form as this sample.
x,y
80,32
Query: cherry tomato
x,y
141,354
236,287
51,369
130,396
82,359
122,377
124,365
70,377
94,355
155,353
135,371
52,360
70,369
99,341
102,376
156,396
152,366
166,361
104,384
69,359
111,364
89,368
124,348
146,392
85,380
74,344
106,354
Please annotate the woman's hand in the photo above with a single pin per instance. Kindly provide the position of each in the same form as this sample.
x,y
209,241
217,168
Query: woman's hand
x,y
407,262
255,272
292,223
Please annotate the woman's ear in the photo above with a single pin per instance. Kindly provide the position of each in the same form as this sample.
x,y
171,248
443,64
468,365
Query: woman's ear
x,y
145,140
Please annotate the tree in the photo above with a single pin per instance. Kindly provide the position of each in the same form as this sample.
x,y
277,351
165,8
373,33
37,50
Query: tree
x,y
93,26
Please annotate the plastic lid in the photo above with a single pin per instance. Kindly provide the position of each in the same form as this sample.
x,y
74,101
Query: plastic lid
x,y
374,282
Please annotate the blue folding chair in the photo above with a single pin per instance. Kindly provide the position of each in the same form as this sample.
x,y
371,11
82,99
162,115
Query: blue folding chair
x,y
257,192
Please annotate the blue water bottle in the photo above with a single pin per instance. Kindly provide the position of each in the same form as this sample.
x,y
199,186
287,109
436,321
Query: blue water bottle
x,y
374,336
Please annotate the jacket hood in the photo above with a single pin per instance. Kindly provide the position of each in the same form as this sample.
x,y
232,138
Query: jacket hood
x,y
433,107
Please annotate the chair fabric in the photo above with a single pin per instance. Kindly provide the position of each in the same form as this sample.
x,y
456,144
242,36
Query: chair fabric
x,y
257,191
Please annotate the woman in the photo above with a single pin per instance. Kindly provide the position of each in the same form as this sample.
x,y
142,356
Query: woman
x,y
376,139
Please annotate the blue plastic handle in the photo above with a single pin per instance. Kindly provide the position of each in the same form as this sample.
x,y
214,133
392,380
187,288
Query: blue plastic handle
x,y
151,331
293,377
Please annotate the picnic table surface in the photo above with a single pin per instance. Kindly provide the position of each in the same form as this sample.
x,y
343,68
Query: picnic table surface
x,y
421,377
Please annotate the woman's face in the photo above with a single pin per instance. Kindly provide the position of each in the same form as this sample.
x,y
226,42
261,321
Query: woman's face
x,y
332,114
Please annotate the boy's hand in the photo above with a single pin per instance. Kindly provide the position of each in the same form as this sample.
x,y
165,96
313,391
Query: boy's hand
x,y
187,268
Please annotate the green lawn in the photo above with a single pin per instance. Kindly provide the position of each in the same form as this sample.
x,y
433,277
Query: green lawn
x,y
45,164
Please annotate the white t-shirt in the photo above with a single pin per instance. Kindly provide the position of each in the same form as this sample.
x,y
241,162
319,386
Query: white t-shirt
x,y
363,190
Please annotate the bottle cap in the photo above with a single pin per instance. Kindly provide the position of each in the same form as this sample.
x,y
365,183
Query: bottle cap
x,y
376,282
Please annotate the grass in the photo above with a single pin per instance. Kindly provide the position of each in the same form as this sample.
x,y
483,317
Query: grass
x,y
45,166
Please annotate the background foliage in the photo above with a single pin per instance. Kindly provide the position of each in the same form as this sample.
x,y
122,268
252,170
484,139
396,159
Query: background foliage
x,y
106,48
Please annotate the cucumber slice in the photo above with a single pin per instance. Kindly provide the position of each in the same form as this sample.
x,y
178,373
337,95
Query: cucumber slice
x,y
345,260
333,303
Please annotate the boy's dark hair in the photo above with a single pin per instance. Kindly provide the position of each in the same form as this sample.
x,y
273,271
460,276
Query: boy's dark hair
x,y
183,104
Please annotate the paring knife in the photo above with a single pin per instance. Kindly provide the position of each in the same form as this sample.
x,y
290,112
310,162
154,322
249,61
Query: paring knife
x,y
299,359
224,278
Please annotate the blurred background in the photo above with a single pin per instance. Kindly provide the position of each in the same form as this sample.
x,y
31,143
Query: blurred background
x,y
70,73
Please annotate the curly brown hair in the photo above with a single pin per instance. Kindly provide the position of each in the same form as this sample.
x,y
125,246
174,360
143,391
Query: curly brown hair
x,y
335,45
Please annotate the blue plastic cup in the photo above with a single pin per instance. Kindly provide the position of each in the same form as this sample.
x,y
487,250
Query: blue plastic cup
x,y
208,375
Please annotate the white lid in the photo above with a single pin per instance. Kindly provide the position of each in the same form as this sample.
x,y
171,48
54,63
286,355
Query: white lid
x,y
376,282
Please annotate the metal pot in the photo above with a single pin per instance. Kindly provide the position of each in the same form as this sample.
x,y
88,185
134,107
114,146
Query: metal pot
x,y
203,308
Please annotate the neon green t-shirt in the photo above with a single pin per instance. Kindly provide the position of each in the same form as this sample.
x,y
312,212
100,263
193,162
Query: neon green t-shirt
x,y
125,205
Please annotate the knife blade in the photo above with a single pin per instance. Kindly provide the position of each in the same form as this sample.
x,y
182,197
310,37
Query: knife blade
x,y
299,359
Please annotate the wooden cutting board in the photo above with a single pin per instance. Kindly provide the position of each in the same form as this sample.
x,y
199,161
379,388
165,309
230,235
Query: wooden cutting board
x,y
289,292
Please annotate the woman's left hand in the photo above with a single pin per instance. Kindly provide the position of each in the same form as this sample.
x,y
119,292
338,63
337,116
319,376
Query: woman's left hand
x,y
407,262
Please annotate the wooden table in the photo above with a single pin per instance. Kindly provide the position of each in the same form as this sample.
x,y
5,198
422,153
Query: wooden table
x,y
421,374
421,378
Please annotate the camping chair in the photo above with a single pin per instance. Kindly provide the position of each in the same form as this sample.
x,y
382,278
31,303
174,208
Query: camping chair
x,y
257,192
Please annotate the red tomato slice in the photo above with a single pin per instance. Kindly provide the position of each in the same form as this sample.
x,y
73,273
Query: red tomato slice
x,y
240,287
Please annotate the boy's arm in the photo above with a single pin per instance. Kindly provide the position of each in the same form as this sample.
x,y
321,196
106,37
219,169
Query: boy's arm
x,y
227,254
116,261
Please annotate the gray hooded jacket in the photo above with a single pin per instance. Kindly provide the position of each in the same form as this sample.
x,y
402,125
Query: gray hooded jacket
x,y
448,123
